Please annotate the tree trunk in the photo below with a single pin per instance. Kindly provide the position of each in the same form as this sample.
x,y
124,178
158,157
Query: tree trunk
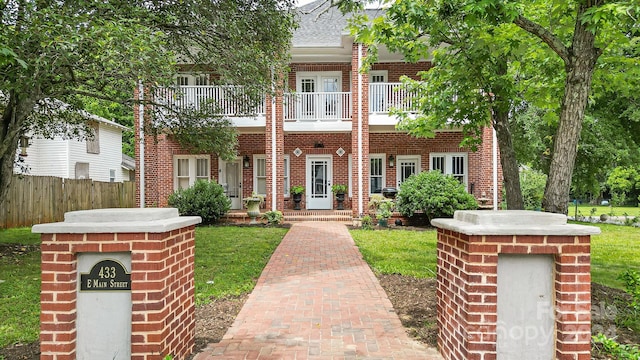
x,y
582,60
13,119
508,161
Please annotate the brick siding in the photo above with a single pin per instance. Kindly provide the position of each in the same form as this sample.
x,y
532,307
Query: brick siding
x,y
162,291
161,150
467,292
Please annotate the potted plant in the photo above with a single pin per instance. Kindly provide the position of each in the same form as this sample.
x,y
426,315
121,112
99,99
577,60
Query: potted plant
x,y
296,192
339,190
384,210
253,203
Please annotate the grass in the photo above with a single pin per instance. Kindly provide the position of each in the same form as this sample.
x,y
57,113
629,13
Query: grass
x,y
19,290
410,253
613,251
228,261
585,210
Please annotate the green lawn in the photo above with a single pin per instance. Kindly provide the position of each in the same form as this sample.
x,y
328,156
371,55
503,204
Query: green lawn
x,y
586,210
413,253
616,249
228,261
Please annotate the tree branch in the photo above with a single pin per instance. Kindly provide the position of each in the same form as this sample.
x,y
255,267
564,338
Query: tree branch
x,y
545,35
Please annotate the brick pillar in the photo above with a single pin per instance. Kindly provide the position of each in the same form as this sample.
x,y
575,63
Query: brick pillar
x,y
484,185
359,131
279,147
472,316
161,245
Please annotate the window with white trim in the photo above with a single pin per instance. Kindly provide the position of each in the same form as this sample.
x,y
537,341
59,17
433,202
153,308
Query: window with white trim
x,y
260,174
185,79
287,184
112,175
376,173
189,168
454,164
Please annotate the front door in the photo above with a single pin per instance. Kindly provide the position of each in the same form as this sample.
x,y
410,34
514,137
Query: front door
x,y
319,97
407,165
231,181
319,176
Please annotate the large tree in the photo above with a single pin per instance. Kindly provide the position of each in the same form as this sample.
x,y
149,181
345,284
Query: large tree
x,y
565,43
472,84
56,55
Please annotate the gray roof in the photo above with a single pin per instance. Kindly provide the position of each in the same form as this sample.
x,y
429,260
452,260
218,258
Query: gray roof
x,y
128,162
321,25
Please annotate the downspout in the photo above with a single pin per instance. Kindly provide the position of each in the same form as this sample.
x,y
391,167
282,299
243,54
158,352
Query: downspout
x,y
360,199
141,130
494,153
274,195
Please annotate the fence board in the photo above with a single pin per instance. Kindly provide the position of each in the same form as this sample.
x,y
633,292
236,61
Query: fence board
x,y
44,199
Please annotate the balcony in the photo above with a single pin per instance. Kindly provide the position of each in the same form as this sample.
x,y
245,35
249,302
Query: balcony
x,y
328,111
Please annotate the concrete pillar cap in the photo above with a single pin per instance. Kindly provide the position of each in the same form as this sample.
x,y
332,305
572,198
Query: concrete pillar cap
x,y
512,222
119,220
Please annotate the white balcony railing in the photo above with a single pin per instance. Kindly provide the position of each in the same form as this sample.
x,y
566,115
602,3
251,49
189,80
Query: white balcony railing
x,y
228,100
384,96
319,106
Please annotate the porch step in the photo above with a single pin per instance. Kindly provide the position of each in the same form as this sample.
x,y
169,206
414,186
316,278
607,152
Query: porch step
x,y
342,216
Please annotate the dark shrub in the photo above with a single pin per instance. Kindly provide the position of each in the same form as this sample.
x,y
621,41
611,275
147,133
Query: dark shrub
x,y
435,194
205,199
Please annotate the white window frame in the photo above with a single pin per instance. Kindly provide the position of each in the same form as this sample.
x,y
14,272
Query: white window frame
x,y
287,173
318,78
192,79
112,175
259,158
383,73
192,176
383,157
287,176
448,170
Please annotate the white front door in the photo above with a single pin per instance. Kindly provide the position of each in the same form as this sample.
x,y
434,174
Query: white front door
x,y
319,176
231,180
407,165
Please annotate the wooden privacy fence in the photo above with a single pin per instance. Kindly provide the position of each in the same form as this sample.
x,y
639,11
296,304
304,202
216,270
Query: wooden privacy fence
x,y
43,199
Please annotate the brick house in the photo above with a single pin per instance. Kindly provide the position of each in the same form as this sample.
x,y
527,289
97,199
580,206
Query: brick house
x,y
332,127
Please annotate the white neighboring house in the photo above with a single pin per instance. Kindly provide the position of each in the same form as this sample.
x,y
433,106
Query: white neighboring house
x,y
99,159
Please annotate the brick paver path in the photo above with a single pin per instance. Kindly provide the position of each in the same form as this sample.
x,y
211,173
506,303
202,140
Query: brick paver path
x,y
317,299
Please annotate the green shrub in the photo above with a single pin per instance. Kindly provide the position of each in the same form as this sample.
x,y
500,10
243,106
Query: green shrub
x,y
205,199
367,223
274,217
435,194
532,183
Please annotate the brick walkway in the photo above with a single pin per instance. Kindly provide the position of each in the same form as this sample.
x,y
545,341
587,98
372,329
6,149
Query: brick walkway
x,y
317,299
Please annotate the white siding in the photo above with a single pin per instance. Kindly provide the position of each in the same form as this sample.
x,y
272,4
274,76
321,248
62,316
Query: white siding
x,y
48,157
110,156
58,157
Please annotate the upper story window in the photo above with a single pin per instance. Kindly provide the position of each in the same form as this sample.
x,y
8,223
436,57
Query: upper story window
x,y
454,164
93,143
192,79
189,168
